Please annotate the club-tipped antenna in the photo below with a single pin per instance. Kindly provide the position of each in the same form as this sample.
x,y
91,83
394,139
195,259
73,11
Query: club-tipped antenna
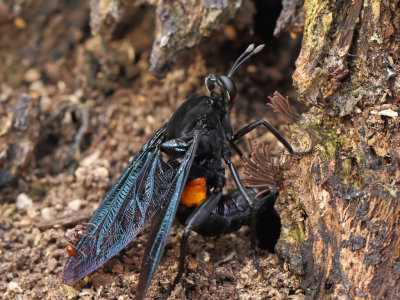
x,y
249,52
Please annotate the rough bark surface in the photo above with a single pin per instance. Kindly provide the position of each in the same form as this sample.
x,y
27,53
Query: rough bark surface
x,y
291,18
341,231
181,25
75,108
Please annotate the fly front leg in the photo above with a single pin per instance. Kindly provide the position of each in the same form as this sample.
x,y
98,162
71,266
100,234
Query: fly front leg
x,y
254,206
245,130
236,148
226,156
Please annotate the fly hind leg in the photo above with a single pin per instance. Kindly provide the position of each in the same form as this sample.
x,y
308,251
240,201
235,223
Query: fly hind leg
x,y
200,215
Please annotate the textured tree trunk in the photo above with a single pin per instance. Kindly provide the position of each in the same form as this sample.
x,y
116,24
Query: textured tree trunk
x,y
340,209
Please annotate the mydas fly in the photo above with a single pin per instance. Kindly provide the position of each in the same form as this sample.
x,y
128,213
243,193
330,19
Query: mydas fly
x,y
196,141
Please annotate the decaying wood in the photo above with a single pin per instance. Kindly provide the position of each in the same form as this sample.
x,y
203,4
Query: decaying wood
x,y
291,18
19,134
106,15
180,25
340,209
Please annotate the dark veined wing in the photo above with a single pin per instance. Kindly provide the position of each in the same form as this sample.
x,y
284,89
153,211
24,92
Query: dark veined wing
x,y
132,202
162,224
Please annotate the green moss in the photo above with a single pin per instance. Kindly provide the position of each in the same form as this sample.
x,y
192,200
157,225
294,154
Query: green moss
x,y
312,120
357,184
298,232
294,234
345,171
355,92
327,135
316,21
330,149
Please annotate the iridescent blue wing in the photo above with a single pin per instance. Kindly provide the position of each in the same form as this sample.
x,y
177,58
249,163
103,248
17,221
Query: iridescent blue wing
x,y
137,195
162,224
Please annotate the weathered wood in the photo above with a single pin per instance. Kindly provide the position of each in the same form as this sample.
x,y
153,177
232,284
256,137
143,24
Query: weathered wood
x,y
291,18
181,25
340,210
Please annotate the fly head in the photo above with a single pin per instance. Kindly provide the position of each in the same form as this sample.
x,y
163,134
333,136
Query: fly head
x,y
223,85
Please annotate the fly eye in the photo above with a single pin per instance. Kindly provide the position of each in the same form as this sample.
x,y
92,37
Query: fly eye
x,y
210,82
223,86
230,87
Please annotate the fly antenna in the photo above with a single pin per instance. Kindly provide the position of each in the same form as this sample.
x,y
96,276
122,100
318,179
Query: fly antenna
x,y
249,52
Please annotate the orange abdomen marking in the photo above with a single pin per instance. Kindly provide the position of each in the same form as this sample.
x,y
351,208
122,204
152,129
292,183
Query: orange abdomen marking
x,y
194,193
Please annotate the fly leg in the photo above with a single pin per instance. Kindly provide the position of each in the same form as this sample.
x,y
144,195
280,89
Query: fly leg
x,y
245,130
226,156
253,243
236,148
195,221
254,206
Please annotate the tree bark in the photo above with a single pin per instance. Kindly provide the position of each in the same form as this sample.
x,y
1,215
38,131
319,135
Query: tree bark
x,y
340,209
